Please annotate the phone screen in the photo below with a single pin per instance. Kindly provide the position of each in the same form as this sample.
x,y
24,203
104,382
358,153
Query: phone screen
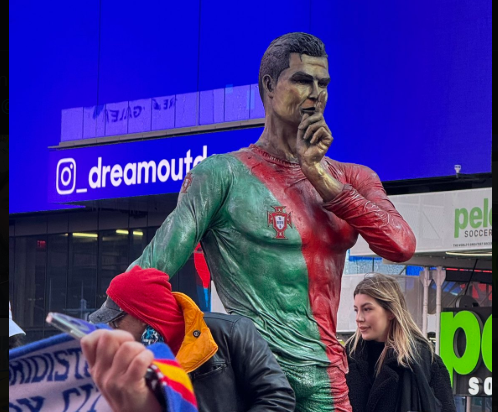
x,y
75,327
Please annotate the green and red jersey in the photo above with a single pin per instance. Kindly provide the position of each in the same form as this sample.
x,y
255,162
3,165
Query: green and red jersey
x,y
275,250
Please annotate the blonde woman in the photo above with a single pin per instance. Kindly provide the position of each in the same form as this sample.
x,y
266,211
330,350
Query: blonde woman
x,y
392,366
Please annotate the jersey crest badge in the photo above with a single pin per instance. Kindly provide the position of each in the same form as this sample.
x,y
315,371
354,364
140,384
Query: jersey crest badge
x,y
280,220
186,183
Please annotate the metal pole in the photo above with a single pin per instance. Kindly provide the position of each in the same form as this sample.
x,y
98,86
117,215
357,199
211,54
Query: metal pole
x,y
425,278
439,279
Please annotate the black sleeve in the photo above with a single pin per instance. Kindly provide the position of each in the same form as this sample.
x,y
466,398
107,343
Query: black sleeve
x,y
258,371
441,384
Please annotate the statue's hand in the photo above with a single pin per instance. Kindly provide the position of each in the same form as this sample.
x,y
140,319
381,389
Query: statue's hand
x,y
313,137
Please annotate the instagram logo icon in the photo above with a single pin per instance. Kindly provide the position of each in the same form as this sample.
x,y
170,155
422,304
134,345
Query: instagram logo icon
x,y
66,176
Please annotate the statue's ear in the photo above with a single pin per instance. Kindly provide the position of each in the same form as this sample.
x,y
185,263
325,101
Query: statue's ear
x,y
268,85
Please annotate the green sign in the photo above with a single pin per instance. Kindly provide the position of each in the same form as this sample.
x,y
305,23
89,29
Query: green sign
x,y
466,341
479,220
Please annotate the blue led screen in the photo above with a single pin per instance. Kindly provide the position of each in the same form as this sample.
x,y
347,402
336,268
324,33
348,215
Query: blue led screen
x,y
411,82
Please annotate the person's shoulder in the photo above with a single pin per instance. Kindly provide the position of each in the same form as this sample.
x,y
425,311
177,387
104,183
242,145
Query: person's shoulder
x,y
359,352
438,370
438,363
217,169
224,318
221,316
348,346
217,163
425,356
224,323
423,347
214,161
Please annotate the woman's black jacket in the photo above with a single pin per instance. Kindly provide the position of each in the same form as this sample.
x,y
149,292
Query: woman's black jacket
x,y
426,388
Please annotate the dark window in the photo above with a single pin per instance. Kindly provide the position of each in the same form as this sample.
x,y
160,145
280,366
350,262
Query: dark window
x,y
138,241
113,258
82,280
151,231
57,272
29,290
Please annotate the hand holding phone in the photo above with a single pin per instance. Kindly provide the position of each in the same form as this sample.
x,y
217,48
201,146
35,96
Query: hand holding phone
x,y
78,328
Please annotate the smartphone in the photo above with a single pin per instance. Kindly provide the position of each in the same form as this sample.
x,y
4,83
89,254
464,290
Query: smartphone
x,y
75,327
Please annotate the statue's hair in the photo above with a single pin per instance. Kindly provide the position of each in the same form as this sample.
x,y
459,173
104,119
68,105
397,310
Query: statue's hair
x,y
403,333
276,57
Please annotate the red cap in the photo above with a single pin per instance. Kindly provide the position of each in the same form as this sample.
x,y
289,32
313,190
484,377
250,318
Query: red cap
x,y
146,295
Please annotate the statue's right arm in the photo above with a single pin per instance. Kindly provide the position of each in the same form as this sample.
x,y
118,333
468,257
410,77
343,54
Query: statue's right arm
x,y
197,212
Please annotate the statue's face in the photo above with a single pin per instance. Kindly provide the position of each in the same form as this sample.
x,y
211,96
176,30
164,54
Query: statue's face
x,y
299,85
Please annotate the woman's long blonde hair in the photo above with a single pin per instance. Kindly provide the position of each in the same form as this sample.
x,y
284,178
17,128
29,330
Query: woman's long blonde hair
x,y
403,332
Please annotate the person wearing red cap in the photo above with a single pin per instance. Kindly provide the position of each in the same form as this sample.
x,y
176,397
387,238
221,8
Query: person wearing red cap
x,y
223,354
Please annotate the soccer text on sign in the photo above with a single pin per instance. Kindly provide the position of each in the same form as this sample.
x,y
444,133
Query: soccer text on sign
x,y
476,222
